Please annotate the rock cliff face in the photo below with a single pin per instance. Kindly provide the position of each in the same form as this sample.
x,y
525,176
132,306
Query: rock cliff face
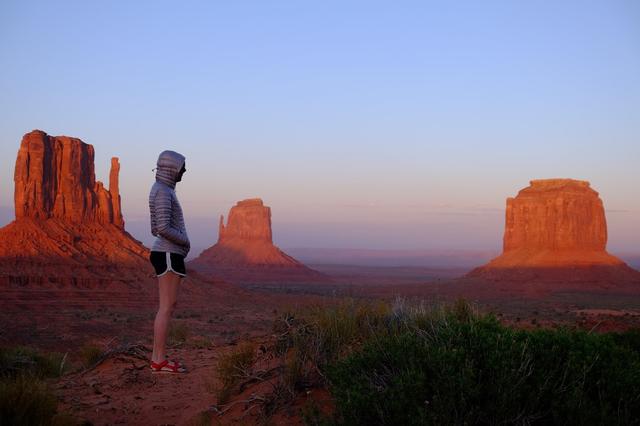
x,y
249,220
55,178
245,251
556,214
67,223
554,226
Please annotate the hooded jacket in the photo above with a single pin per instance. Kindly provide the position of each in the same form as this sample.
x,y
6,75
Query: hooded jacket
x,y
167,221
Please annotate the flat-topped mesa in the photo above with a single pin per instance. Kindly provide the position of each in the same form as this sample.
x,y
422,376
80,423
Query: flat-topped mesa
x,y
555,214
55,178
249,220
555,230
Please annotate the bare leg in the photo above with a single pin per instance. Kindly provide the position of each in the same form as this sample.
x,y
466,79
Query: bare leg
x,y
168,287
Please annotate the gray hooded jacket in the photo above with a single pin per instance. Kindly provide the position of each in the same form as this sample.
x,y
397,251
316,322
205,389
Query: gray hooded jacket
x,y
167,221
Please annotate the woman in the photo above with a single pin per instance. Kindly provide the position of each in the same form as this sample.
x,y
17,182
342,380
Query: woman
x,y
168,251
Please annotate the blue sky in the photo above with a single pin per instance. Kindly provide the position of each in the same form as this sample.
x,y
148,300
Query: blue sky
x,y
362,124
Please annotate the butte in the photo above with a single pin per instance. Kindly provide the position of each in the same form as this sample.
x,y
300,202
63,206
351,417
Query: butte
x,y
245,252
556,231
68,227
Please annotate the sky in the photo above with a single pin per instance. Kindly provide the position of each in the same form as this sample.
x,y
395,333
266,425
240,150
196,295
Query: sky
x,y
380,125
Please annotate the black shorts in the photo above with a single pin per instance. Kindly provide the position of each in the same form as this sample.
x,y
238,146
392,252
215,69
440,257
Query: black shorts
x,y
164,262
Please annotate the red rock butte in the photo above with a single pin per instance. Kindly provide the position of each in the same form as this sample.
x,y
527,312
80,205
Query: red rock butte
x,y
245,251
554,225
67,223
55,178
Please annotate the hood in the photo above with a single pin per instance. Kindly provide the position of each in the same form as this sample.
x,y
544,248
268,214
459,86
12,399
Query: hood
x,y
169,165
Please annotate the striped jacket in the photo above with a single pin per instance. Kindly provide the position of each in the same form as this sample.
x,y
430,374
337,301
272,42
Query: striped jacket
x,y
167,221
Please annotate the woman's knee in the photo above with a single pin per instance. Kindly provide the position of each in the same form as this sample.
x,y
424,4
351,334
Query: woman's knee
x,y
167,310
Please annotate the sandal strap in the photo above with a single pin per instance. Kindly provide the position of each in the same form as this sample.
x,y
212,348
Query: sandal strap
x,y
176,365
159,364
165,365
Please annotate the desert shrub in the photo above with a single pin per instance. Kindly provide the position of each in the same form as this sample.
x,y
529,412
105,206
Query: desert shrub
x,y
340,326
24,396
25,399
179,333
461,310
232,368
21,359
293,371
629,339
312,415
319,335
410,363
456,367
324,333
90,354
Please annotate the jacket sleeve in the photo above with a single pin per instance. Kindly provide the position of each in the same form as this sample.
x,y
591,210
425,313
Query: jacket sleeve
x,y
162,204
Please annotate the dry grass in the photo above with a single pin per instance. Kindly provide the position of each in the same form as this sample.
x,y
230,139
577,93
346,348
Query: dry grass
x,y
90,355
204,418
21,359
232,368
306,342
25,399
201,343
24,396
179,333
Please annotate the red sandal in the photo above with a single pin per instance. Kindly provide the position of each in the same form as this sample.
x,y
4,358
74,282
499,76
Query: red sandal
x,y
165,367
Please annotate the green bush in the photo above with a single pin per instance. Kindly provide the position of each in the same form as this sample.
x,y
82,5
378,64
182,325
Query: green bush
x,y
629,339
455,367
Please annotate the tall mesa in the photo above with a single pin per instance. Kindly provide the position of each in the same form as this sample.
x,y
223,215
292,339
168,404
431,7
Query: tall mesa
x,y
555,229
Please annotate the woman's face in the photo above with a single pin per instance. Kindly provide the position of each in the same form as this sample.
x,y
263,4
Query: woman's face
x,y
182,171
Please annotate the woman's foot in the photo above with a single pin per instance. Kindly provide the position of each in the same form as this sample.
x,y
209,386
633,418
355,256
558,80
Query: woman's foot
x,y
167,366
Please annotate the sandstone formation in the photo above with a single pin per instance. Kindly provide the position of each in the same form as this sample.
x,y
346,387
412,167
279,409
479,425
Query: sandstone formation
x,y
67,224
55,178
114,191
245,251
249,221
555,228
